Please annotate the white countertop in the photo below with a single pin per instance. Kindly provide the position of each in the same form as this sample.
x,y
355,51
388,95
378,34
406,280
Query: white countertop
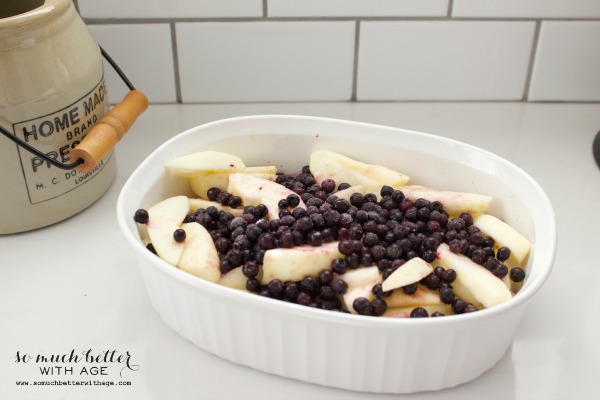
x,y
75,286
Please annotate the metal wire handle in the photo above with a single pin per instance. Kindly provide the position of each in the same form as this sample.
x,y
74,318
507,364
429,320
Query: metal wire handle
x,y
79,161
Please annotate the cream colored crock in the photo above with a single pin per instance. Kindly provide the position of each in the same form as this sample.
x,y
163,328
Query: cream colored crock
x,y
52,92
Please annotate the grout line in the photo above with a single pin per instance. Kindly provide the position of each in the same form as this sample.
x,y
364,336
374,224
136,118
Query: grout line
x,y
355,62
175,63
532,56
98,21
265,6
450,8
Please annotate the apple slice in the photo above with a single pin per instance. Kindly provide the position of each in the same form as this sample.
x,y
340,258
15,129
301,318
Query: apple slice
x,y
360,276
507,281
423,296
234,279
412,271
346,193
484,286
455,203
293,264
404,312
191,164
328,164
204,180
360,284
201,203
199,256
263,169
504,235
163,219
254,191
461,292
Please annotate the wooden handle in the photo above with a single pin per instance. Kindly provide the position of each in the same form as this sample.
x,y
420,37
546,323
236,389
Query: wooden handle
x,y
101,139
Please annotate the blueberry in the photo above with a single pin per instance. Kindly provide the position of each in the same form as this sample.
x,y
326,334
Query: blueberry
x,y
362,305
212,193
503,254
378,307
419,312
141,216
517,274
179,235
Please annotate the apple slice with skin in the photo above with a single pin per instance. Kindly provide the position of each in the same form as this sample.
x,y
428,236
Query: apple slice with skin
x,y
199,256
404,312
412,271
204,180
254,191
455,203
293,264
484,286
423,296
360,284
504,235
189,165
201,203
163,219
328,164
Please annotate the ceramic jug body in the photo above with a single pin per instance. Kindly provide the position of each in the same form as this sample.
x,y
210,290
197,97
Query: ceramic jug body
x,y
52,92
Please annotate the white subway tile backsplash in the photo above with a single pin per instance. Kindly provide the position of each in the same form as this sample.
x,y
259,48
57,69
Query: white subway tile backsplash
x,y
266,61
144,53
527,8
170,9
443,60
357,8
567,65
305,50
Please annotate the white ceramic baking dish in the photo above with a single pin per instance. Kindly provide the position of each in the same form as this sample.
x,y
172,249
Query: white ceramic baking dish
x,y
335,349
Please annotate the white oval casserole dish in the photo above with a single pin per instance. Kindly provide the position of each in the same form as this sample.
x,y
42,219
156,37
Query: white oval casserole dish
x,y
346,351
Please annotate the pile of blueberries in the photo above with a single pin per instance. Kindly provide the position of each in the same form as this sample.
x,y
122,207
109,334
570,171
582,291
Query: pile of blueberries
x,y
386,232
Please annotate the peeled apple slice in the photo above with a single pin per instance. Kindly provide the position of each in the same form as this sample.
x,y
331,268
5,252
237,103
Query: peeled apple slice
x,y
412,271
455,203
293,264
345,194
360,284
361,276
423,296
504,235
199,256
204,180
326,164
191,164
254,191
163,219
234,279
462,292
484,286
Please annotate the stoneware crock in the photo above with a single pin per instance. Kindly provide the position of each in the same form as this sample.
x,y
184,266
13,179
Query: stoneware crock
x,y
52,92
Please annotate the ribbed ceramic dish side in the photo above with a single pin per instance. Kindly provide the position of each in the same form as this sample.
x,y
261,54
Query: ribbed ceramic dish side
x,y
382,360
